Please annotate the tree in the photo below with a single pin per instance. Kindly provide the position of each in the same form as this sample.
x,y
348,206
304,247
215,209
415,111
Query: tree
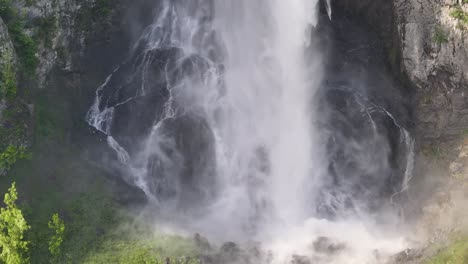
x,y
13,226
58,228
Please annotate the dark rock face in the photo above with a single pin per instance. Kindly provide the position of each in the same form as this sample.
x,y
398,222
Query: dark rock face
x,y
138,92
141,91
325,246
366,118
186,169
426,46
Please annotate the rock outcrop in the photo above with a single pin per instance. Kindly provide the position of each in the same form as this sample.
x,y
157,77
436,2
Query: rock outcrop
x,y
427,44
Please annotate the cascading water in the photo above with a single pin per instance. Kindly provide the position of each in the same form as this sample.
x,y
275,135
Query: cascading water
x,y
215,115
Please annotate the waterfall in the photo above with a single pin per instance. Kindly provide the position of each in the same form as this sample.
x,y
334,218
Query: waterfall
x,y
215,116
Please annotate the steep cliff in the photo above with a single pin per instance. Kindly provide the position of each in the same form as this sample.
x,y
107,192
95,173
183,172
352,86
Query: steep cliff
x,y
53,55
427,44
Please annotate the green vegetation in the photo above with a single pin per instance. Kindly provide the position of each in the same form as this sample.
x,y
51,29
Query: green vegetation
x,y
98,13
433,151
11,155
57,227
460,15
454,254
46,28
7,77
25,46
12,231
439,36
132,249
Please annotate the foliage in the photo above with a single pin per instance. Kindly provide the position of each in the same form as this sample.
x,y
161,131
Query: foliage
x,y
143,249
439,36
12,230
46,28
460,15
11,155
25,46
454,254
58,228
100,12
8,77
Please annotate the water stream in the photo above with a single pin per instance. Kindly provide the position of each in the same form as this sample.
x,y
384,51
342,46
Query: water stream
x,y
216,116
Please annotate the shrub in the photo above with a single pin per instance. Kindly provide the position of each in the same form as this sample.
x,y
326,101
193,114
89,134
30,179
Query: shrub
x,y
11,155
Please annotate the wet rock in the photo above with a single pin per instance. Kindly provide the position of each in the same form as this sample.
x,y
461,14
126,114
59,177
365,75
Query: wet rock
x,y
407,256
230,250
325,246
202,243
455,167
229,253
297,259
184,167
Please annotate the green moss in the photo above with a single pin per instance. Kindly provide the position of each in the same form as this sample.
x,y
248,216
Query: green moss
x,y
457,253
440,36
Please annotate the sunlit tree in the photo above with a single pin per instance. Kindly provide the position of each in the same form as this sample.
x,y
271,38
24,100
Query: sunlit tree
x,y
13,226
58,228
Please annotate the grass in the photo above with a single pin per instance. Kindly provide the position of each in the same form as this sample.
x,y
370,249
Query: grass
x,y
457,253
60,182
135,250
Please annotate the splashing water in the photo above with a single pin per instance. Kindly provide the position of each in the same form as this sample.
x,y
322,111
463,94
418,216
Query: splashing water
x,y
241,77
